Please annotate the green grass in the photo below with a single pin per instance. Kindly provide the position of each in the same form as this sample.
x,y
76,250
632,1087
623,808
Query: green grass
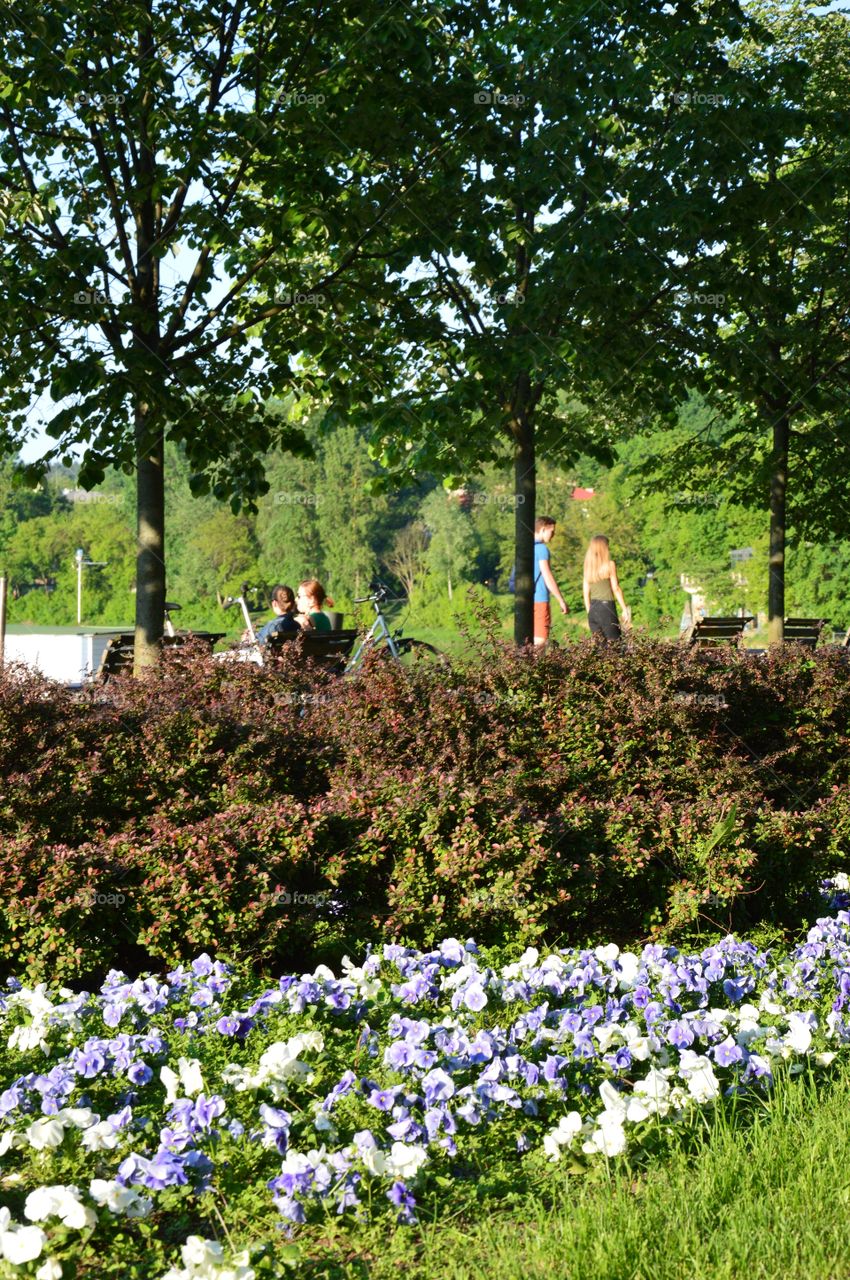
x,y
763,1194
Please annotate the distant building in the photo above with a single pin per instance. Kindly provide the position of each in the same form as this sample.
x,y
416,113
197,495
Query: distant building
x,y
582,495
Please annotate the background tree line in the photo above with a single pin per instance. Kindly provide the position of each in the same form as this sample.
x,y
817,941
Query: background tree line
x,y
331,515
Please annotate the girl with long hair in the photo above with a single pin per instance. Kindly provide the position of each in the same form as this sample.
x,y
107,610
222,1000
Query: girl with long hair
x,y
309,601
601,590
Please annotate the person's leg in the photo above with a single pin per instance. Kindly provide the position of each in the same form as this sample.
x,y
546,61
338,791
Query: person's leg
x,y
604,624
542,622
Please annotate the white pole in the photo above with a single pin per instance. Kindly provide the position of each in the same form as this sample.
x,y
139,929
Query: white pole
x,y
79,556
2,616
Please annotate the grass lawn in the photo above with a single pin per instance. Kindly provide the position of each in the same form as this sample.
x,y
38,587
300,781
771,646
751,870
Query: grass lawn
x,y
764,1195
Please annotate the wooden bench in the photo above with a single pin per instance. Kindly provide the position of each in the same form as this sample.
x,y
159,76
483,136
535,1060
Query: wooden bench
x,y
330,649
805,631
710,633
118,654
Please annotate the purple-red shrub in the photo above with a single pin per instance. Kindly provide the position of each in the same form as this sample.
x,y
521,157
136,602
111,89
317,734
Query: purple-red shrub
x,y
521,797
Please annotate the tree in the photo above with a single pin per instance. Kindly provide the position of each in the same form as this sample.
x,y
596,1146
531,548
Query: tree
x,y
408,558
766,303
350,515
558,223
451,547
178,178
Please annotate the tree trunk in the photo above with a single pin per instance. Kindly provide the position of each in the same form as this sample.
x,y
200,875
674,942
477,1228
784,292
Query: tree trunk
x,y
149,430
778,497
150,534
525,494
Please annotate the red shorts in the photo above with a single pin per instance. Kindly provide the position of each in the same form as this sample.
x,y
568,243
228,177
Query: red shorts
x,y
542,621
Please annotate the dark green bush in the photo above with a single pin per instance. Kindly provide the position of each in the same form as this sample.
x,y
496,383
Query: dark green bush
x,y
286,815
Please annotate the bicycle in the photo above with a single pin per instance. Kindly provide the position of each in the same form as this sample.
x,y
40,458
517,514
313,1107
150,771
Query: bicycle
x,y
248,650
379,638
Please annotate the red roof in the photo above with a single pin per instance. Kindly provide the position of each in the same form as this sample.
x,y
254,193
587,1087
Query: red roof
x,y
581,495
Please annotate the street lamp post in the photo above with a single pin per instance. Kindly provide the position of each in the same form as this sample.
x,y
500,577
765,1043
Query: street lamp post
x,y
81,563
79,557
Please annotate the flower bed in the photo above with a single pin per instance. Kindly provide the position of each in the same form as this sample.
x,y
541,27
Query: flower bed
x,y
189,1127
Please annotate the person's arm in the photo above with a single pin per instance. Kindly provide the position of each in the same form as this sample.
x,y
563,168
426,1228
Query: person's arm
x,y
618,594
548,577
586,594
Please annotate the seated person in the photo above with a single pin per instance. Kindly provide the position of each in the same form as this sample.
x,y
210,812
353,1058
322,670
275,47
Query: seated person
x,y
311,596
283,605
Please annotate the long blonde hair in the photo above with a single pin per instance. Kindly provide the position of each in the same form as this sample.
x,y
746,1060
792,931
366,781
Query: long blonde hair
x,y
597,562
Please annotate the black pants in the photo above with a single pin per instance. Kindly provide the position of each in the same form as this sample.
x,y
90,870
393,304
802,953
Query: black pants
x,y
603,619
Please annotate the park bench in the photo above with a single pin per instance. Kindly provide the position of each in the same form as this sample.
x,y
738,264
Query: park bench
x,y
330,649
805,631
710,633
118,654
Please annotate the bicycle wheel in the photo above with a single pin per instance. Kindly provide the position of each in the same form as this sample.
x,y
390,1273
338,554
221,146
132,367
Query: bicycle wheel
x,y
414,652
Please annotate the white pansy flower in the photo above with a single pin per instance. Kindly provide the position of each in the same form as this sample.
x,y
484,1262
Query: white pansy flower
x,y
368,986
563,1135
840,881
652,1093
460,976
50,1269
324,1124
120,1199
33,1034
613,1100
767,1004
607,1033
11,1139
608,1139
186,1082
405,1161
19,1245
798,1036
374,1160
205,1260
321,974
636,1042
774,1047
101,1137
637,1110
79,1117
197,1252
607,954
59,1202
824,1059
749,1029
629,965
703,1084
47,1131
278,1065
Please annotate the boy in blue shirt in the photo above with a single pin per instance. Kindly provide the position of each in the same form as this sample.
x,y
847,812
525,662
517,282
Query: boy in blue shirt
x,y
544,583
